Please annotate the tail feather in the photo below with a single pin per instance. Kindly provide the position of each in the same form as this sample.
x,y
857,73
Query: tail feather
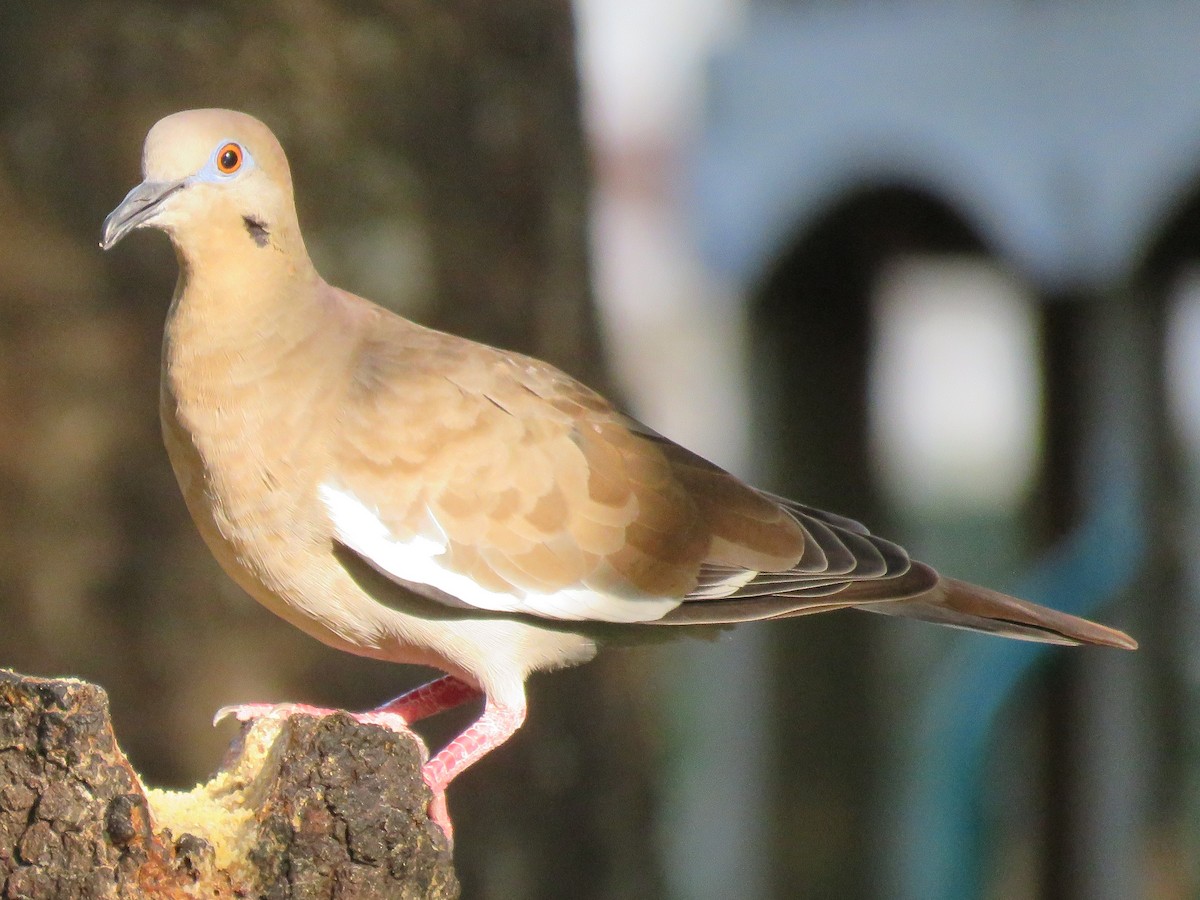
x,y
964,605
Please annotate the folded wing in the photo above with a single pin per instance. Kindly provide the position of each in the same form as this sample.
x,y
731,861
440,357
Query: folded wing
x,y
502,484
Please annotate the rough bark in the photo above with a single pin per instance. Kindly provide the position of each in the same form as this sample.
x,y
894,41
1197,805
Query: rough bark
x,y
301,808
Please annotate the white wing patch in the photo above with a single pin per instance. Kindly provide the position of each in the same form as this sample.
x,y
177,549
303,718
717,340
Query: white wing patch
x,y
728,583
418,561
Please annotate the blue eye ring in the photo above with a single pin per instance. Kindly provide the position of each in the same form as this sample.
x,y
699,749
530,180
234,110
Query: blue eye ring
x,y
228,162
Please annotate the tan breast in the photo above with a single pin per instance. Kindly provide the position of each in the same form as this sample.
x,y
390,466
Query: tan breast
x,y
244,426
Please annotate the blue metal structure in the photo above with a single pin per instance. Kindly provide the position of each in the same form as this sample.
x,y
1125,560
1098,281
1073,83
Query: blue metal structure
x,y
1063,133
1066,135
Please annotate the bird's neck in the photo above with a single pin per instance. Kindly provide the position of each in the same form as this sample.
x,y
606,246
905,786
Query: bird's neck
x,y
245,386
247,351
237,330
241,302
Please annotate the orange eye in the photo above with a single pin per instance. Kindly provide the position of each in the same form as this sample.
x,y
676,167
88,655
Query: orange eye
x,y
229,159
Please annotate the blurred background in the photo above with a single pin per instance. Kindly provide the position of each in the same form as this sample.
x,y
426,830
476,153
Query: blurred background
x,y
930,264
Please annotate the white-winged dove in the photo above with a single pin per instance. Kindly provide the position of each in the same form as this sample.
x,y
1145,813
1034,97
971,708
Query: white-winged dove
x,y
412,496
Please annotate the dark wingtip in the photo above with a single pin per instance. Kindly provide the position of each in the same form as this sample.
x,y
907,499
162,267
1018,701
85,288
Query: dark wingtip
x,y
974,600
1118,639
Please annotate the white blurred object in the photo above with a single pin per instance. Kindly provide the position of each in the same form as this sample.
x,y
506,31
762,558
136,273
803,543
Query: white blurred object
x,y
675,337
954,385
642,63
674,333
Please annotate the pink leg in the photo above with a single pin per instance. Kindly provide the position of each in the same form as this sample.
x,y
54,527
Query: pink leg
x,y
420,703
493,728
490,730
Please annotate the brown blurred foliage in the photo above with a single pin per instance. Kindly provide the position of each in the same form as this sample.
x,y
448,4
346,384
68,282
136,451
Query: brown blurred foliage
x,y
439,168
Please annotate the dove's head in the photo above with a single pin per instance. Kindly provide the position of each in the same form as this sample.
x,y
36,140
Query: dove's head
x,y
211,177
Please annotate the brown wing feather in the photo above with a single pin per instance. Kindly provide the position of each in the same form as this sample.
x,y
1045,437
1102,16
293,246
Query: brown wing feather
x,y
538,484
531,476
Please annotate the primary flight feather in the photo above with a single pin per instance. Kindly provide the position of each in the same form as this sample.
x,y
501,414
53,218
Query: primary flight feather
x,y
412,496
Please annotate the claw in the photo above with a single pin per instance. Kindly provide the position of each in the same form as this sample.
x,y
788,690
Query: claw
x,y
238,712
439,813
245,712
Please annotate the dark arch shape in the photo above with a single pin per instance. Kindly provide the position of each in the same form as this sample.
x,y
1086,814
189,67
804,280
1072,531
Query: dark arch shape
x,y
810,342
810,332
1175,242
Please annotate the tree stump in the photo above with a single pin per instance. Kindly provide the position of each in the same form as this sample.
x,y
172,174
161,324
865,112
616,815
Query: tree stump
x,y
301,808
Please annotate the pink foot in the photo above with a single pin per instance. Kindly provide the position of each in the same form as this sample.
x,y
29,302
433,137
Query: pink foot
x,y
440,694
440,815
492,729
246,712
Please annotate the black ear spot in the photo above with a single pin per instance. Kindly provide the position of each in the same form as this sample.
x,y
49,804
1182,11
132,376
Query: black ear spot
x,y
257,229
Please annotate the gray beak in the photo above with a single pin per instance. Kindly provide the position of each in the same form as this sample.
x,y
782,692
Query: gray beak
x,y
136,210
